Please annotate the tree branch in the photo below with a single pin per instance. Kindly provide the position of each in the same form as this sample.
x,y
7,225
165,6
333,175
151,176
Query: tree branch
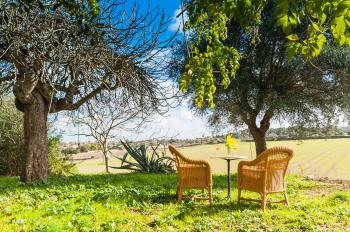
x,y
7,78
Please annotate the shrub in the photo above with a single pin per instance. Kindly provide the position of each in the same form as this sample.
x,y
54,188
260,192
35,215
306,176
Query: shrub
x,y
93,147
70,151
59,163
145,162
12,145
83,149
11,139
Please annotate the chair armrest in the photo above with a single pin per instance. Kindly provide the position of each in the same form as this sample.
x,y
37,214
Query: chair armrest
x,y
192,161
241,164
251,162
248,163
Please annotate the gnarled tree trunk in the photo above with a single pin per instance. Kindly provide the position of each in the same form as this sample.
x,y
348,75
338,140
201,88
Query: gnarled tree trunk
x,y
260,142
259,134
35,166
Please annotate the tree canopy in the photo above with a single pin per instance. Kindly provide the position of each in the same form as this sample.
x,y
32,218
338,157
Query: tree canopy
x,y
269,85
52,64
308,25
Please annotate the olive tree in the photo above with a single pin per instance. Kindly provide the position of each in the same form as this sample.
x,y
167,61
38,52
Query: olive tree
x,y
52,64
307,25
12,144
268,85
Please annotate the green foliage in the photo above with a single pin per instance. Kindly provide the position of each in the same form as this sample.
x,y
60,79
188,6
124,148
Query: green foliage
x,y
146,202
93,147
213,62
12,145
145,162
269,86
11,139
59,163
70,151
83,148
210,56
307,24
209,20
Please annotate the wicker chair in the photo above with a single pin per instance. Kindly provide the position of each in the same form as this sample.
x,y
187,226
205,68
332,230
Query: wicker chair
x,y
192,174
265,175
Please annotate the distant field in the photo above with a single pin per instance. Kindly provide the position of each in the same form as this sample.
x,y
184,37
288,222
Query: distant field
x,y
318,158
96,164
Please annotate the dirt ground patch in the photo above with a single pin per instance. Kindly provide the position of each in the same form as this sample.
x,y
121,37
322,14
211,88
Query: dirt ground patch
x,y
95,155
328,186
92,162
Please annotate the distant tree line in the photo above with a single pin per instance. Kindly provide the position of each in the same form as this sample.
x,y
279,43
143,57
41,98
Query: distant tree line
x,y
297,133
274,134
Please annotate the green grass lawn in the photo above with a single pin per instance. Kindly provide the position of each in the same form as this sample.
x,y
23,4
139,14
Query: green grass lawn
x,y
141,202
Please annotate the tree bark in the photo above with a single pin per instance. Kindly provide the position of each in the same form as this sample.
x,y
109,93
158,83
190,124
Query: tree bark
x,y
259,133
260,142
106,155
259,136
35,139
107,163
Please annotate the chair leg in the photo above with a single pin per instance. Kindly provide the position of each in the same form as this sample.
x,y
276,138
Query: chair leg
x,y
239,196
179,195
263,201
286,198
210,195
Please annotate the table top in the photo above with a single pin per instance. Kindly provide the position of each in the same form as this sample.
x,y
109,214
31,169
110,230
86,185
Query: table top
x,y
229,157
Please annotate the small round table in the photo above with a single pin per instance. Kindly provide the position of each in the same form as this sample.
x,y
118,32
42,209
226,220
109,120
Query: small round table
x,y
228,159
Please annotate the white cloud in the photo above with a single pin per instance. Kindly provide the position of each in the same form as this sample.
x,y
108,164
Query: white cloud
x,y
183,123
179,122
177,23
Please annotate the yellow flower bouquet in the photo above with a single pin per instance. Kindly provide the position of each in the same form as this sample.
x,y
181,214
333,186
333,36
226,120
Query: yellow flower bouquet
x,y
231,143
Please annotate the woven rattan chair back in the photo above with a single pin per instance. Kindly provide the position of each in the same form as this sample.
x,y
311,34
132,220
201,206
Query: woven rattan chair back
x,y
191,174
265,174
178,157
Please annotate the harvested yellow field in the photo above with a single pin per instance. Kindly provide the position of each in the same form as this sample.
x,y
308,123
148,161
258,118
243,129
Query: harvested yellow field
x,y
317,158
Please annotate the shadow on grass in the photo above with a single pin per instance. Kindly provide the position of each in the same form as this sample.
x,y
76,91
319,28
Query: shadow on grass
x,y
170,180
217,208
13,183
139,188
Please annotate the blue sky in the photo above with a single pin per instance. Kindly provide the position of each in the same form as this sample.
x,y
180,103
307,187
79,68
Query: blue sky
x,y
179,122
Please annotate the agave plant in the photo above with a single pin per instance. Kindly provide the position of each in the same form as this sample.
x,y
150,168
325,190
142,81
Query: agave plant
x,y
144,161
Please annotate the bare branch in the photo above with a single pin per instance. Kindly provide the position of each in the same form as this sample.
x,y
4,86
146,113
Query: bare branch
x,y
7,78
69,68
